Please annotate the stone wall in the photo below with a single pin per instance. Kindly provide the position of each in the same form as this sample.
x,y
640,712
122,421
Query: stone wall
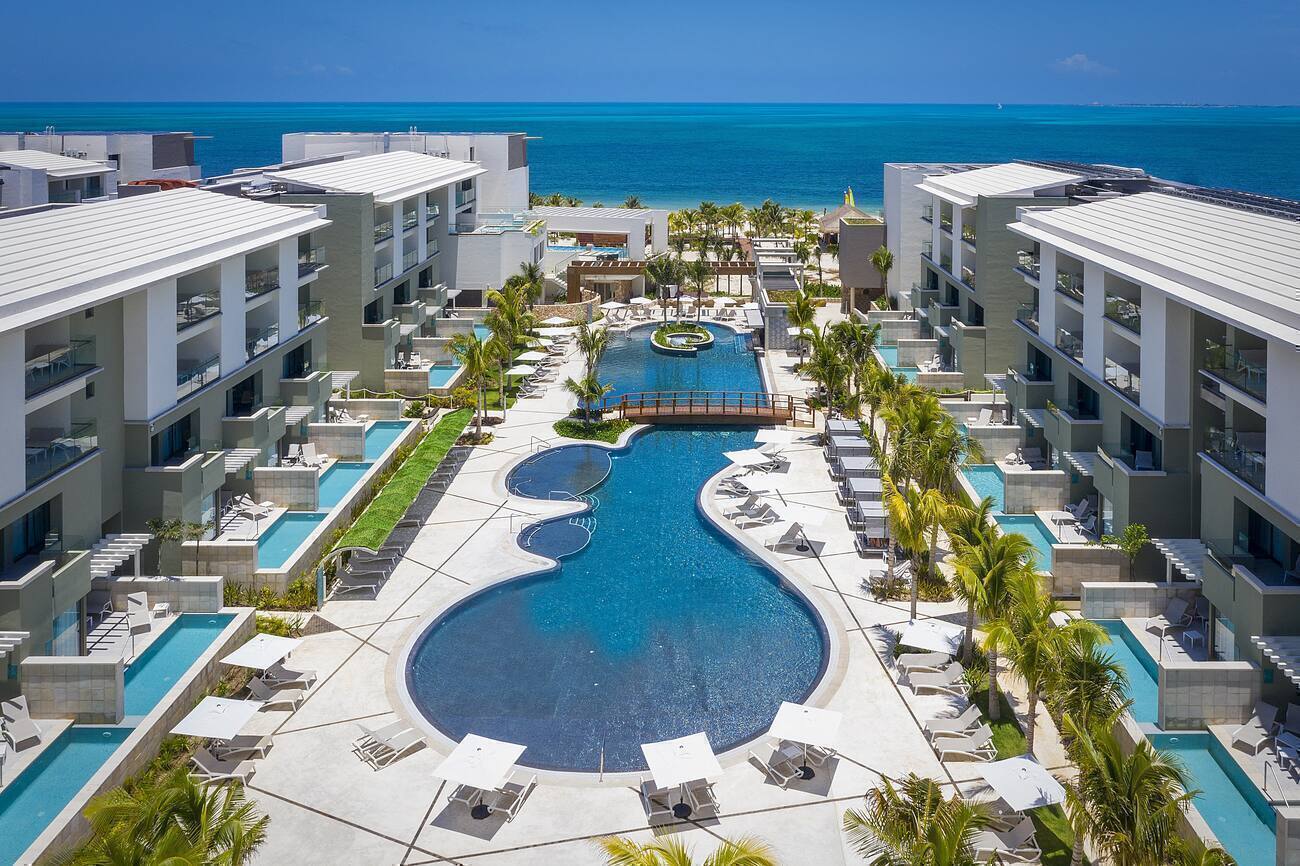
x,y
1133,598
87,689
941,381
1195,695
235,560
345,441
1076,564
914,353
293,487
408,383
997,440
581,311
190,594
373,409
1026,491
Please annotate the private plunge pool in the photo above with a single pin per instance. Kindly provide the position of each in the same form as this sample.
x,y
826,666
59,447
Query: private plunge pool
x,y
889,354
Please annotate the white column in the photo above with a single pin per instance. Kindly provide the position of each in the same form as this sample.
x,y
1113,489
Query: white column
x,y
397,238
421,227
1094,309
1047,293
1282,471
1166,358
287,314
149,364
956,241
233,284
13,424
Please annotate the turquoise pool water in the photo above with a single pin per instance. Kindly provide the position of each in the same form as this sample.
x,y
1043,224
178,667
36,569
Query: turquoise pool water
x,y
30,802
278,541
1143,688
1238,814
889,354
380,436
659,627
1035,530
440,375
338,481
986,479
167,659
482,331
567,248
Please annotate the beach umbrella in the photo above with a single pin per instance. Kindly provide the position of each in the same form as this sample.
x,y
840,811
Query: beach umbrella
x,y
676,762
613,305
747,457
521,370
262,652
480,762
808,726
775,436
555,320
932,634
641,300
1023,783
723,302
797,512
793,331
217,719
532,356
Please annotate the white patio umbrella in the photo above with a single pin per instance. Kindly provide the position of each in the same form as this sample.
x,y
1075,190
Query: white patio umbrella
x,y
808,726
723,302
262,652
613,305
521,370
555,321
793,331
532,356
932,634
775,436
676,762
480,762
641,300
1023,783
747,457
217,719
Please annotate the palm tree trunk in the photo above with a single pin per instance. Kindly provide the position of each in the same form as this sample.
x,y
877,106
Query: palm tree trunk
x,y
916,588
995,705
1076,853
967,644
1029,726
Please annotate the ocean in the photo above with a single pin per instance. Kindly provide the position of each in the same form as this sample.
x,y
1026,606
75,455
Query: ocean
x,y
804,155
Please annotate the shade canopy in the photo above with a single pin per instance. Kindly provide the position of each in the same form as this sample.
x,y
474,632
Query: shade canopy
x,y
775,436
932,634
612,305
1023,783
641,300
262,651
532,356
723,302
480,762
857,463
811,726
521,370
747,457
555,321
863,487
217,719
843,425
685,759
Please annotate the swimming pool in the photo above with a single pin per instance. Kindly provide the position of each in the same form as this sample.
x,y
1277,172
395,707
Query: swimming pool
x,y
658,627
631,364
278,541
31,802
568,248
889,354
482,331
1138,666
440,375
338,481
161,666
1229,802
987,481
1032,528
380,436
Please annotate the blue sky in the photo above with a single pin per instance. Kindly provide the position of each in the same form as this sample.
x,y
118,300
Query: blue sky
x,y
863,51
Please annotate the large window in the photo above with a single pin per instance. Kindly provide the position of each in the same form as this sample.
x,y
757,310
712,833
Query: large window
x,y
245,398
28,534
1084,403
67,633
374,312
297,363
175,441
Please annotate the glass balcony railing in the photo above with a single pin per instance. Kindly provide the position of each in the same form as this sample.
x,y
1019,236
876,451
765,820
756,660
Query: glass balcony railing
x,y
1242,454
260,282
1124,378
464,196
58,365
968,234
927,249
308,313
1071,343
927,212
1124,312
410,220
383,231
968,276
311,260
1070,285
196,308
383,273
945,262
1027,262
48,451
1137,461
259,340
1244,368
192,376
431,245
410,259
431,212
945,222
1027,315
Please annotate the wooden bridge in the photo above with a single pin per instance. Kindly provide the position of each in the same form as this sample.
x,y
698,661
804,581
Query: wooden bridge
x,y
708,407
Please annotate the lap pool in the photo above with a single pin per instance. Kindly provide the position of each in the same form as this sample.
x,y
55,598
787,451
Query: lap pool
x,y
889,354
655,627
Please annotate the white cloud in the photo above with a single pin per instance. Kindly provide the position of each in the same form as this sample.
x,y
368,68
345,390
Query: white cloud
x,y
1081,64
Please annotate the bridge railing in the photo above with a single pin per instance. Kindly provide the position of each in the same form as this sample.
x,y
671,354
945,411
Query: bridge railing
x,y
759,404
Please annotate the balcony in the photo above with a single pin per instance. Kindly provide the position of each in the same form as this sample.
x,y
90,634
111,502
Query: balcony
x,y
927,213
308,313
968,276
945,262
1242,368
431,244
1071,343
410,221
311,261
1124,312
968,234
431,212
1027,263
58,365
1027,315
410,259
49,451
257,341
192,376
1242,454
1124,378
383,231
383,274
927,249
945,222
259,282
1070,285
197,308
465,196
1069,429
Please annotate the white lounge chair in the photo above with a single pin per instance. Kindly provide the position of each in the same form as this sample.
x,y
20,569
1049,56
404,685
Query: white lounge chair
x,y
279,676
983,419
744,508
976,746
388,749
961,725
656,801
1176,616
1014,845
371,737
357,583
311,457
949,681
1256,733
791,536
701,795
19,729
269,697
510,796
209,768
243,746
917,662
294,454
1082,510
466,795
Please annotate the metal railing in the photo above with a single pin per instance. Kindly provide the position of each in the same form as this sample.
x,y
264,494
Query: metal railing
x,y
1125,312
1027,263
308,313
927,249
755,404
1070,285
194,376
927,212
58,365
465,196
383,231
258,341
1233,366
48,451
383,273
1240,454
945,222
196,308
431,212
1127,380
311,260
261,281
1027,315
1071,343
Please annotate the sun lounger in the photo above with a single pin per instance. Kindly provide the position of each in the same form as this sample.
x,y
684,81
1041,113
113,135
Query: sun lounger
x,y
917,662
209,768
243,746
701,795
656,801
467,795
1175,616
977,746
371,737
278,675
961,725
745,508
1256,733
1015,845
357,583
510,796
1082,510
983,419
780,766
311,457
791,536
763,515
19,729
389,749
949,681
269,697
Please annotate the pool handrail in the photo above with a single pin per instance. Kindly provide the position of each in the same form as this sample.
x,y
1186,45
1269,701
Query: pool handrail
x,y
1268,765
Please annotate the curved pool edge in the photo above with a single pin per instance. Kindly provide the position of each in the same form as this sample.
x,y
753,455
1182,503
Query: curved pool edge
x,y
828,679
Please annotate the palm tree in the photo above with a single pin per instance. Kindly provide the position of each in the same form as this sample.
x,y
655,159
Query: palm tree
x,y
534,281
968,525
477,357
697,273
828,367
733,216
1127,803
1087,683
911,824
883,261
591,343
801,313
509,321
671,851
588,390
632,202
984,576
858,342
912,512
1031,642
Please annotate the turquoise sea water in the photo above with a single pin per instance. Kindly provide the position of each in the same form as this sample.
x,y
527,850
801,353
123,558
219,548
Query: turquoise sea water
x,y
673,155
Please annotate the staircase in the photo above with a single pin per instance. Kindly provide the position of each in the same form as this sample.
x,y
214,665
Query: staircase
x,y
112,550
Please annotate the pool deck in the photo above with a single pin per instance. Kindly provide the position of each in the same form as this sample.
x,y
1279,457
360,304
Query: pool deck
x,y
328,806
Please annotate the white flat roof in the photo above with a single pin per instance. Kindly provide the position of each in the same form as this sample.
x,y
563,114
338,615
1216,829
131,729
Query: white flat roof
x,y
55,165
390,177
599,212
58,261
1012,178
1237,265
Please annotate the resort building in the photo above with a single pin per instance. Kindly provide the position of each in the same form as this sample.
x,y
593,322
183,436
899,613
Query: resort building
x,y
858,237
635,233
134,155
162,346
1157,359
30,178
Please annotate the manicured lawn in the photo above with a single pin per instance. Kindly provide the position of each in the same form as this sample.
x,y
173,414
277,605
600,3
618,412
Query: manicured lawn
x,y
599,431
383,512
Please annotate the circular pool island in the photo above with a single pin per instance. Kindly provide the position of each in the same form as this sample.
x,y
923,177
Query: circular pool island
x,y
681,338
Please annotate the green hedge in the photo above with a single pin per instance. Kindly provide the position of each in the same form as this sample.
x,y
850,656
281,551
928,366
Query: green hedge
x,y
597,431
381,515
